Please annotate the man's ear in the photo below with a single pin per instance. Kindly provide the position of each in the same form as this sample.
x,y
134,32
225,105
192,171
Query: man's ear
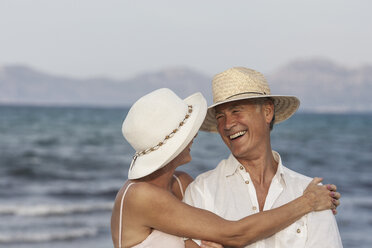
x,y
269,111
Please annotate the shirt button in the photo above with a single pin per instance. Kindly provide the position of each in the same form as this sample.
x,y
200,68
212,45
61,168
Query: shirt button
x,y
241,167
298,230
247,182
254,207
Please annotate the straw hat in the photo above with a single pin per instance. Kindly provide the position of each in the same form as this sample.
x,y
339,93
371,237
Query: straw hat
x,y
159,126
240,83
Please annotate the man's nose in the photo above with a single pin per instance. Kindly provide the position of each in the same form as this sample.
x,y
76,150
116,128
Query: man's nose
x,y
229,122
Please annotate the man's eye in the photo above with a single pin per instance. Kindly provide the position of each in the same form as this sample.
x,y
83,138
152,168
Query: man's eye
x,y
218,116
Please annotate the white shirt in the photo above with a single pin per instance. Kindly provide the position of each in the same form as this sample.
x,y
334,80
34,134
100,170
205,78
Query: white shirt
x,y
229,192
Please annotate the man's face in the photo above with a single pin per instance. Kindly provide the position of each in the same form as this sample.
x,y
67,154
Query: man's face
x,y
244,126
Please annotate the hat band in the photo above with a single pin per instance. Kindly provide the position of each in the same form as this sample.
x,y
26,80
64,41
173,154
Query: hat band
x,y
167,137
243,93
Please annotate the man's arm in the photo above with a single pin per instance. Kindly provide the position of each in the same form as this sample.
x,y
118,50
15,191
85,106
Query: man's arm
x,y
322,230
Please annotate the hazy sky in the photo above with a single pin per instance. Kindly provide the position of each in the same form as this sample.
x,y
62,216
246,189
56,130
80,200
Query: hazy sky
x,y
123,38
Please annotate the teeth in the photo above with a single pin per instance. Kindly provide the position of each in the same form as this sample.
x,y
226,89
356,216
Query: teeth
x,y
235,135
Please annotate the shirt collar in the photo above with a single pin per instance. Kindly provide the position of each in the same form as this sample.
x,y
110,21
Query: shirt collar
x,y
233,165
280,170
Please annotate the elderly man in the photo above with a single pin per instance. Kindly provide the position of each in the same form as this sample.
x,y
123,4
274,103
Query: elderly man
x,y
253,178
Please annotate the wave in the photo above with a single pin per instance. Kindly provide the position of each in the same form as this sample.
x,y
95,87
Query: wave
x,y
23,237
364,204
351,205
47,142
54,209
81,193
356,200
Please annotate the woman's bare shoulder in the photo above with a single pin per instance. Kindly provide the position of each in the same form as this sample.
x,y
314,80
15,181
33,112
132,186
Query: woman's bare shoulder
x,y
143,191
137,193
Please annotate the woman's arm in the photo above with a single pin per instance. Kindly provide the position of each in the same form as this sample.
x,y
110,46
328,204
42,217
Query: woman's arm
x,y
159,209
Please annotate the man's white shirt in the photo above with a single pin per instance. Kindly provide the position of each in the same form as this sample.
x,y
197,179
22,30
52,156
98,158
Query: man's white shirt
x,y
229,192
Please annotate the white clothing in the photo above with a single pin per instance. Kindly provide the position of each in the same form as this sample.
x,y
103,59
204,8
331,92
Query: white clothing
x,y
229,192
158,239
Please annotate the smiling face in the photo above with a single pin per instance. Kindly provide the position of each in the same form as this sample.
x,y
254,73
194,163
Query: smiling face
x,y
244,126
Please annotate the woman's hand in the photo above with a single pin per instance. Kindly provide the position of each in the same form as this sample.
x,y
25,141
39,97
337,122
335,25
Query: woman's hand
x,y
322,197
208,244
335,196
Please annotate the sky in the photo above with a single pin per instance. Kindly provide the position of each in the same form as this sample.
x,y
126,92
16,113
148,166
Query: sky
x,y
120,39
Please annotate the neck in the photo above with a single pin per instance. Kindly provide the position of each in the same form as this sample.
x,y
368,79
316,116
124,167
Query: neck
x,y
261,169
261,166
161,178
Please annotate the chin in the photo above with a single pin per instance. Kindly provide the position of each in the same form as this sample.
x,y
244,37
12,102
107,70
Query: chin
x,y
237,152
186,160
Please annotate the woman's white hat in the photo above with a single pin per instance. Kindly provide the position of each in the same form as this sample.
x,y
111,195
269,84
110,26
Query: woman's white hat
x,y
159,126
241,83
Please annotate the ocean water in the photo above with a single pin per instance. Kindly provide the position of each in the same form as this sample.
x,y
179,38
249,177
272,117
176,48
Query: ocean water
x,y
60,169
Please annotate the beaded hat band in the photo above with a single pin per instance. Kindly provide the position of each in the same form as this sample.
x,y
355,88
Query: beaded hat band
x,y
167,137
159,126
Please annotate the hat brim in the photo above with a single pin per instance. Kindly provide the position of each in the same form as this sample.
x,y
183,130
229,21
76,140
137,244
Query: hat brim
x,y
146,164
285,107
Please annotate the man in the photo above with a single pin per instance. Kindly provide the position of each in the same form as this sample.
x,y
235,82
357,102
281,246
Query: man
x,y
253,178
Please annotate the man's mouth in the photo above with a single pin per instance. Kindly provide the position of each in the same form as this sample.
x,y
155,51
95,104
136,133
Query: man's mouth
x,y
237,135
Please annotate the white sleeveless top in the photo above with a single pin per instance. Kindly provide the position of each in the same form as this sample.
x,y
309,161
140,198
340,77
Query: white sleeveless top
x,y
156,239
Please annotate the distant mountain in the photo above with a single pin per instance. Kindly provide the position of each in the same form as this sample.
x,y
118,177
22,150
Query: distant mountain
x,y
320,84
23,85
183,81
325,86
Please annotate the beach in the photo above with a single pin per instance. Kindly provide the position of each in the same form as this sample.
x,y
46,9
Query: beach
x,y
61,167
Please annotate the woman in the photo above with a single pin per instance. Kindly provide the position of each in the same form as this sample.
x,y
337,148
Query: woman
x,y
148,211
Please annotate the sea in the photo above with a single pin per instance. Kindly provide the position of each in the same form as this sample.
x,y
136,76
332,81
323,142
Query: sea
x,y
61,167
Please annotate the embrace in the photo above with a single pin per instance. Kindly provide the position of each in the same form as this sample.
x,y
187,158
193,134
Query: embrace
x,y
250,199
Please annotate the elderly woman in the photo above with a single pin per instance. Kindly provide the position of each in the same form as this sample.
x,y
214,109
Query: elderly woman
x,y
148,210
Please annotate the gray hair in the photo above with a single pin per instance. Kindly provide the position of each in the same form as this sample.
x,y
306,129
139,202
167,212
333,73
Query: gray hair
x,y
260,102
